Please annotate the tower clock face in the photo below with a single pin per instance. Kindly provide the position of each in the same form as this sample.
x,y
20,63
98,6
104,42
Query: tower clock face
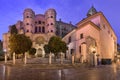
x,y
40,40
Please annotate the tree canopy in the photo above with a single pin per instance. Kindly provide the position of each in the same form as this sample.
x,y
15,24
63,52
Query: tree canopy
x,y
13,30
46,48
56,45
19,43
32,51
1,48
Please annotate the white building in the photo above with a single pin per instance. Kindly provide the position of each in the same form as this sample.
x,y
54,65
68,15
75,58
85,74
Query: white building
x,y
93,38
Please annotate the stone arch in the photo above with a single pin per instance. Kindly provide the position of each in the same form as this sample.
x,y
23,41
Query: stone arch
x,y
39,52
40,40
91,50
91,43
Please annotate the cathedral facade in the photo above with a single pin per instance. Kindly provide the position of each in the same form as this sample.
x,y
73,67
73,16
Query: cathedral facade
x,y
93,39
39,28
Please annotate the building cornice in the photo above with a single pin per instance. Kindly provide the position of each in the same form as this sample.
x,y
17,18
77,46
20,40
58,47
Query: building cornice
x,y
91,23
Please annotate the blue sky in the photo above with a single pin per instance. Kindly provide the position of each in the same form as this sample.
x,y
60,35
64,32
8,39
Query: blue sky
x,y
68,10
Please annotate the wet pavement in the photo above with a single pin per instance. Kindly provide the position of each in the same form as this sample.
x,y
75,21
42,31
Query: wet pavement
x,y
8,72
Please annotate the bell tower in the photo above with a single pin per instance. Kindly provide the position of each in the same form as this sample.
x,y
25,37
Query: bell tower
x,y
91,11
50,17
28,20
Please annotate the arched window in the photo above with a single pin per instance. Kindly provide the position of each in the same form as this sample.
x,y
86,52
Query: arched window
x,y
27,17
35,22
36,29
51,16
39,29
72,51
27,31
43,29
27,23
51,30
51,23
79,49
81,36
43,22
69,40
39,22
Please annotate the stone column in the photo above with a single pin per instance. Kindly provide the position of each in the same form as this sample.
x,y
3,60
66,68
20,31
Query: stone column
x,y
50,58
14,58
68,54
84,54
25,58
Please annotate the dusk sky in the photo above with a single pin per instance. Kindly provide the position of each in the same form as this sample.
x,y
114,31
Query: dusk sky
x,y
68,10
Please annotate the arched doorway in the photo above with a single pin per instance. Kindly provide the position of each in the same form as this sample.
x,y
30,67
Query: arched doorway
x,y
91,51
92,55
39,45
39,52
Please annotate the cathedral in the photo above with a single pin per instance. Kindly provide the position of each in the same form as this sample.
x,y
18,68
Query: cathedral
x,y
91,40
39,28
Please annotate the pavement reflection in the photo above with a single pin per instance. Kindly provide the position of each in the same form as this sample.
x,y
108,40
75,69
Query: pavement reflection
x,y
26,73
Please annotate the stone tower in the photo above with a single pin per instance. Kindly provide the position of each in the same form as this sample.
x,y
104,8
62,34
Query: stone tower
x,y
50,17
28,20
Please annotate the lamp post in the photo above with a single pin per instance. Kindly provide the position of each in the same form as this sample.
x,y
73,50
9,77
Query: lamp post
x,y
93,58
5,55
93,52
50,60
98,62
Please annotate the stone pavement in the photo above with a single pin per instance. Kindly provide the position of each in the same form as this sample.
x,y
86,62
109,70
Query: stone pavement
x,y
44,71
42,63
8,72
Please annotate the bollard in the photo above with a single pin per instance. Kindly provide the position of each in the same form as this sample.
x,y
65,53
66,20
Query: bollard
x,y
14,58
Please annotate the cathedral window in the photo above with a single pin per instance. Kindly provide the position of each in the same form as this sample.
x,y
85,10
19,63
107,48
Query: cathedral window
x,y
27,31
35,29
81,36
62,33
27,17
43,29
39,22
69,40
51,23
51,30
72,51
39,29
27,23
35,22
80,49
43,22
51,16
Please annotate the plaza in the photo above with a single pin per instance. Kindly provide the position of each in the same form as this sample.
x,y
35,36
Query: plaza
x,y
40,44
64,71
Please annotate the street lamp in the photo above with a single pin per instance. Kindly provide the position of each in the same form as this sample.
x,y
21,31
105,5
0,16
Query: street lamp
x,y
5,55
98,63
93,52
